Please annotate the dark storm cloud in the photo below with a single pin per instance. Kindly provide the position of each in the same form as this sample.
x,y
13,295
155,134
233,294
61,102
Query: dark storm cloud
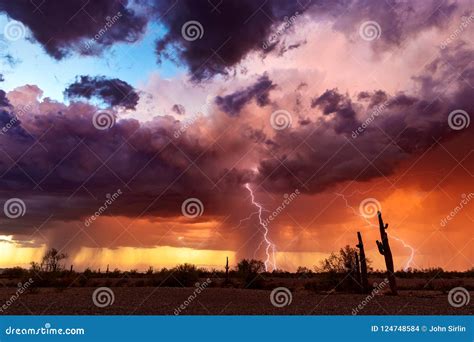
x,y
398,20
62,27
3,99
73,165
178,109
113,92
402,126
332,102
231,29
376,98
233,103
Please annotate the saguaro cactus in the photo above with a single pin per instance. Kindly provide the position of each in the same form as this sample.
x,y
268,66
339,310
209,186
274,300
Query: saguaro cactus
x,y
357,270
363,264
384,249
227,270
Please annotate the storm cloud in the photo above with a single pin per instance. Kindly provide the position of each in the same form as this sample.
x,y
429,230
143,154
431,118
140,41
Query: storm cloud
x,y
113,92
233,103
64,27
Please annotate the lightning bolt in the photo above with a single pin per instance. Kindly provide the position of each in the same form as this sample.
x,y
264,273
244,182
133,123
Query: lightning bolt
x,y
406,245
270,246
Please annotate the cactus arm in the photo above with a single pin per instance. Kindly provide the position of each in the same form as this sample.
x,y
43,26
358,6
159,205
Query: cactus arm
x,y
380,247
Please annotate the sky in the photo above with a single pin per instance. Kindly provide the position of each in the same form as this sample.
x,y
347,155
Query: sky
x,y
153,133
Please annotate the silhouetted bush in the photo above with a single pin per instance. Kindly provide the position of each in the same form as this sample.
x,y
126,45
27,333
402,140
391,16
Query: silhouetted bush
x,y
185,275
250,271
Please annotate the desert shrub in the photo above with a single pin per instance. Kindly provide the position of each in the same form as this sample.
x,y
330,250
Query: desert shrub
x,y
51,261
341,261
14,272
184,275
250,271
325,282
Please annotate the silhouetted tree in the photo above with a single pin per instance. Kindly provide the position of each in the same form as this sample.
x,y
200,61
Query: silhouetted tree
x,y
51,261
250,271
340,262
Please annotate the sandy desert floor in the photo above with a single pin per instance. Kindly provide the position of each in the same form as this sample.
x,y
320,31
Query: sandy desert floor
x,y
225,301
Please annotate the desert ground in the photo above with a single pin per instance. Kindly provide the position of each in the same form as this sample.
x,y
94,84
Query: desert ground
x,y
130,299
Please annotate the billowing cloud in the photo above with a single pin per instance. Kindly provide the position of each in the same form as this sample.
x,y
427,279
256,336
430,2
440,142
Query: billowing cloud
x,y
113,92
361,121
233,103
229,30
63,27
